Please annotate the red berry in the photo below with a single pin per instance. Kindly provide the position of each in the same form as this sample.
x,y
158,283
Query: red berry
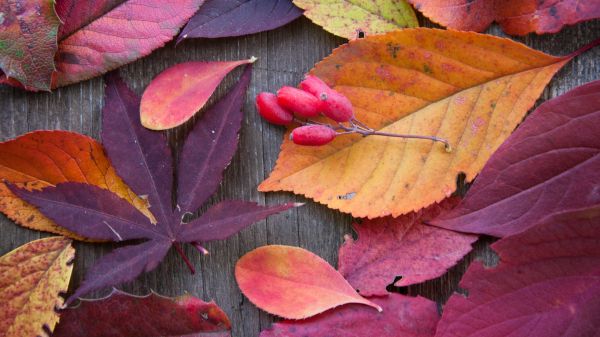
x,y
313,135
269,109
336,106
300,102
314,85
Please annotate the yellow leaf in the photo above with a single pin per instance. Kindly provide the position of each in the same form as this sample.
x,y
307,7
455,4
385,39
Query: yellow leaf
x,y
471,89
346,18
31,279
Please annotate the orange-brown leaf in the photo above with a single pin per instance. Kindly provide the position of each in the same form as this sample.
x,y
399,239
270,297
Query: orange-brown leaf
x,y
468,88
46,158
32,277
292,282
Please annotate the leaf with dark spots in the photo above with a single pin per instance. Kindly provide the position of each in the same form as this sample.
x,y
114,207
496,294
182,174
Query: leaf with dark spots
x,y
548,165
147,316
28,42
105,215
401,316
143,159
223,18
547,284
404,246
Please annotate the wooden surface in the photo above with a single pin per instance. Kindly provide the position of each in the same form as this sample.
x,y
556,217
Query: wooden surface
x,y
284,55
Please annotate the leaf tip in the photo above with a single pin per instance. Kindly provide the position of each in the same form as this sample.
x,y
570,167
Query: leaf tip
x,y
252,59
299,204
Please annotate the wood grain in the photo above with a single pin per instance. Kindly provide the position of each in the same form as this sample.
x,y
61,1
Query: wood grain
x,y
284,55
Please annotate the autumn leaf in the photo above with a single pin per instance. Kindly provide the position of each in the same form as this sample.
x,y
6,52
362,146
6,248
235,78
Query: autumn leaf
x,y
402,316
46,158
143,159
177,93
224,18
468,88
32,279
515,17
348,18
549,164
111,33
404,246
147,316
292,282
28,41
547,283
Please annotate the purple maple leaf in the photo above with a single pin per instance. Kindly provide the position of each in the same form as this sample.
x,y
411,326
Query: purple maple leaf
x,y
143,160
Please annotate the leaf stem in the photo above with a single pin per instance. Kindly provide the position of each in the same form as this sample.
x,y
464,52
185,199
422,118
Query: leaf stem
x,y
200,248
583,49
184,257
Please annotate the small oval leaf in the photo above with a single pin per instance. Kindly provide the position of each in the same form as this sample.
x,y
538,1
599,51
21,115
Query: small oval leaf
x,y
177,93
293,283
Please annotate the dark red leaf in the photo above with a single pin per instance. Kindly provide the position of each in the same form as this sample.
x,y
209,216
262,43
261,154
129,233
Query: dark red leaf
x,y
125,315
404,246
547,284
401,316
222,18
549,164
143,159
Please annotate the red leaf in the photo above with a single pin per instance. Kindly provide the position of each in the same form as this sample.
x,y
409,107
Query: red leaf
x,y
292,282
124,315
402,316
28,41
404,246
516,17
177,93
547,284
549,164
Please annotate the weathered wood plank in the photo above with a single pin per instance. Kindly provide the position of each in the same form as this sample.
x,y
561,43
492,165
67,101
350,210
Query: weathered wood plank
x,y
284,56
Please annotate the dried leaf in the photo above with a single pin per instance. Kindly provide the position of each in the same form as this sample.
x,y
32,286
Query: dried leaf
x,y
402,316
292,282
348,18
548,165
28,41
142,157
515,17
177,93
32,279
224,18
404,246
547,284
147,316
468,88
46,158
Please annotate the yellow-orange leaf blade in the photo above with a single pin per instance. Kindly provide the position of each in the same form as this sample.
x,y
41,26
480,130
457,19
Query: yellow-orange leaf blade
x,y
292,282
468,88
46,158
31,279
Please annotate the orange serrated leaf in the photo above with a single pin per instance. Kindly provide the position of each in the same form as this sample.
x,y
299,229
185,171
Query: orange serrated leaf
x,y
293,283
45,158
32,277
471,89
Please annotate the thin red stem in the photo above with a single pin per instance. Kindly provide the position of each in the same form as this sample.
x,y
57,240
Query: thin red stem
x,y
585,48
372,132
185,258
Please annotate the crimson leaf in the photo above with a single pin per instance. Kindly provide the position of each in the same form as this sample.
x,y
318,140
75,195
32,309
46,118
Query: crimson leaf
x,y
143,159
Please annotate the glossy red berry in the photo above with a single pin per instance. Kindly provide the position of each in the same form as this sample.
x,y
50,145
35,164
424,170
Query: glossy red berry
x,y
269,109
300,102
314,85
313,135
336,106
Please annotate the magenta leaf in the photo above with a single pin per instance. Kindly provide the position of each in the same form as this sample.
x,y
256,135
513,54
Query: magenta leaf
x,y
404,246
105,215
401,316
209,148
546,285
223,18
549,164
75,14
143,159
145,316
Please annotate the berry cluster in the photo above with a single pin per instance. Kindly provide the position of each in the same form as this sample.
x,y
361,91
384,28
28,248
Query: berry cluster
x,y
314,98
